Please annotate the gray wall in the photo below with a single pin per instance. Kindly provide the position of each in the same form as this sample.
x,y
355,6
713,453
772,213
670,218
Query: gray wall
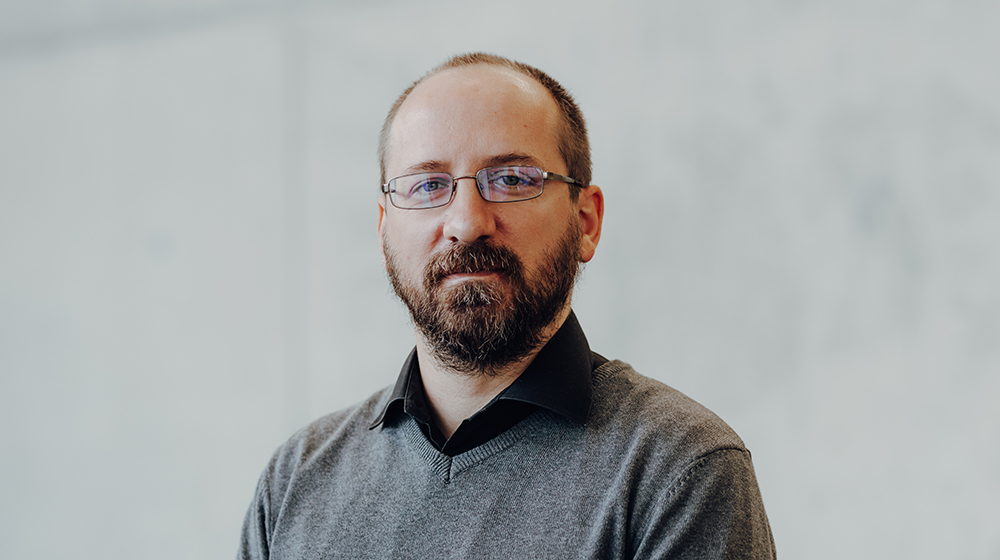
x,y
802,232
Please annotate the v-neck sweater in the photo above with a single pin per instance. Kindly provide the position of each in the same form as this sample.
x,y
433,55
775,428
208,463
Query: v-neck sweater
x,y
650,474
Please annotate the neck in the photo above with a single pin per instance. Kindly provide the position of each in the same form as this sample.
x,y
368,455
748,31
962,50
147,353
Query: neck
x,y
454,396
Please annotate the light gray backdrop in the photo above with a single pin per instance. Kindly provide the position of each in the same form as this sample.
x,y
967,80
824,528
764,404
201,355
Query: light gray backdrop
x,y
802,232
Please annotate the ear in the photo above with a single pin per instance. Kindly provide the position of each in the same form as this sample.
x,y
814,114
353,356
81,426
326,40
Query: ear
x,y
383,222
590,209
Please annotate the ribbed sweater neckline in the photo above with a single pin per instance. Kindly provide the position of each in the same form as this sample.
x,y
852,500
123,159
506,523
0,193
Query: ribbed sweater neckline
x,y
447,468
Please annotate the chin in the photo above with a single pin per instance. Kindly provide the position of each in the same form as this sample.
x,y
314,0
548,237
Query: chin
x,y
475,294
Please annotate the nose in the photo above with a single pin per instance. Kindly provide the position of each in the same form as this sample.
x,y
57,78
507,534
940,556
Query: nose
x,y
468,217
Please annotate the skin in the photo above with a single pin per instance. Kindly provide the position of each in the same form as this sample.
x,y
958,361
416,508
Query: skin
x,y
460,121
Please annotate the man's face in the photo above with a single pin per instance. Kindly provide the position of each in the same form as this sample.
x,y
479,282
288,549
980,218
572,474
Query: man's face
x,y
482,280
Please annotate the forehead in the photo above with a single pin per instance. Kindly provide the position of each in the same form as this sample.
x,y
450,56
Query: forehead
x,y
482,111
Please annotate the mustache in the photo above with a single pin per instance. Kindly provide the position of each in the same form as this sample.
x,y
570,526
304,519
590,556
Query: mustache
x,y
467,258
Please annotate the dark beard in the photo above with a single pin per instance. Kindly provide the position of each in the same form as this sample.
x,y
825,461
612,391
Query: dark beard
x,y
476,327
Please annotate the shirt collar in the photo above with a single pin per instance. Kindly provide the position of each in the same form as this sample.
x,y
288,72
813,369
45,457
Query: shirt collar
x,y
557,379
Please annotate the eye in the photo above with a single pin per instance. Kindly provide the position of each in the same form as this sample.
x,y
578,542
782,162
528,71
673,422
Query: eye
x,y
428,187
510,183
509,178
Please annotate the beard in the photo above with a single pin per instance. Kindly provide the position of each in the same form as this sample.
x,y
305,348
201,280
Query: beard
x,y
478,327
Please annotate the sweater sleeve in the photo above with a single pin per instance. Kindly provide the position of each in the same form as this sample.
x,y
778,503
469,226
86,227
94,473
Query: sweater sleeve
x,y
254,536
712,510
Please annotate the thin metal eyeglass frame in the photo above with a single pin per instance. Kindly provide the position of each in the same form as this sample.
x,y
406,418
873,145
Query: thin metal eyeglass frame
x,y
546,176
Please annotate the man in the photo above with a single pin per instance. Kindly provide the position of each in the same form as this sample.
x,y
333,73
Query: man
x,y
504,436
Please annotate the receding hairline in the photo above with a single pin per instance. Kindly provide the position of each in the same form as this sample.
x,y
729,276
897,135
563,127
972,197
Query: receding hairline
x,y
534,87
447,68
509,70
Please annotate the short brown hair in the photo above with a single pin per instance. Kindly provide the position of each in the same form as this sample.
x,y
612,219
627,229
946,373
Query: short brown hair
x,y
573,144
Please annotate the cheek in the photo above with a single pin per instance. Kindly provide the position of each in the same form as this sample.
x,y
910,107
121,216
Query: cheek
x,y
533,253
544,234
409,246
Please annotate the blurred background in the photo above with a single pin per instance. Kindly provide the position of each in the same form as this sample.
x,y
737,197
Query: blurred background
x,y
802,233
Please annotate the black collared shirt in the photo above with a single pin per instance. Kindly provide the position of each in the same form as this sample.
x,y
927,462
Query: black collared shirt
x,y
557,379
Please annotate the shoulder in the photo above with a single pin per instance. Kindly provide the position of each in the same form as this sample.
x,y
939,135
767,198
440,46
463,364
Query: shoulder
x,y
324,438
306,458
635,407
692,477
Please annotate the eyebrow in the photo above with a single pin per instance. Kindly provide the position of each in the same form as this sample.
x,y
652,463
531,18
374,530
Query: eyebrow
x,y
512,158
431,166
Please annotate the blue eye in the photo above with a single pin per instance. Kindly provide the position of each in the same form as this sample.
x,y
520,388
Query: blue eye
x,y
421,190
428,187
510,183
510,179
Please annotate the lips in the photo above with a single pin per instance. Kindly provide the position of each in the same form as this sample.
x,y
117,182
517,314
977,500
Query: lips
x,y
464,276
470,269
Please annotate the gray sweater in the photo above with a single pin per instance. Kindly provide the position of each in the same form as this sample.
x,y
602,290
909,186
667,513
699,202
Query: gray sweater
x,y
652,474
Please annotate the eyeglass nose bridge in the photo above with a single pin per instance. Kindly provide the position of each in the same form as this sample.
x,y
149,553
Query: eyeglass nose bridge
x,y
479,188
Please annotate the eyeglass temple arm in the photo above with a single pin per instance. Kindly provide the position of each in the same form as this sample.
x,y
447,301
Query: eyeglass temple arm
x,y
557,177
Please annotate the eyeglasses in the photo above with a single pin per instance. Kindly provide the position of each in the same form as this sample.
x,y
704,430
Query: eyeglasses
x,y
512,183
